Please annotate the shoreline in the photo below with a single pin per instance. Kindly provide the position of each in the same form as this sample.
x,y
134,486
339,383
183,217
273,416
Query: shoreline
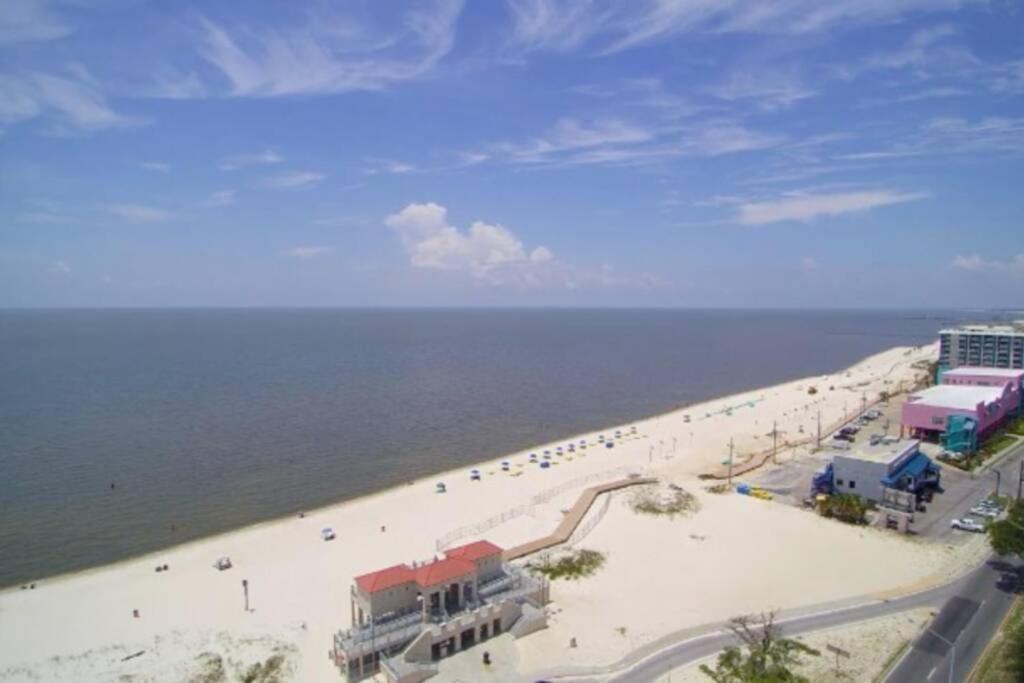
x,y
301,585
51,579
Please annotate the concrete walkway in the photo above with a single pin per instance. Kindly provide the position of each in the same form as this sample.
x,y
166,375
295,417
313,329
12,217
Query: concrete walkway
x,y
573,518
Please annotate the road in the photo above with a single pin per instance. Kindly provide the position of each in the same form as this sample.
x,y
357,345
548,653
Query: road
x,y
982,587
968,620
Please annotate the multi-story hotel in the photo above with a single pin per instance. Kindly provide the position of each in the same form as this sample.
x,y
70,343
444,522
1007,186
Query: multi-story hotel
x,y
989,346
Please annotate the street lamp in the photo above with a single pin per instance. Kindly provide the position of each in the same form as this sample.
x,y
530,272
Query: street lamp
x,y
952,653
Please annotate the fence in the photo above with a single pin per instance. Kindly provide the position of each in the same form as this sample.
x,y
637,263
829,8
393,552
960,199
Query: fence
x,y
583,529
543,497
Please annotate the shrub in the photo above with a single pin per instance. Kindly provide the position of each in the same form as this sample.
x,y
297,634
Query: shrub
x,y
575,564
846,507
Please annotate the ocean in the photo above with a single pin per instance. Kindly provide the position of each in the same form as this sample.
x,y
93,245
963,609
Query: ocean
x,y
125,431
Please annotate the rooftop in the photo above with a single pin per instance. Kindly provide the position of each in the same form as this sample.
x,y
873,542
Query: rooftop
x,y
384,579
968,371
1014,328
887,453
474,551
957,397
443,571
457,562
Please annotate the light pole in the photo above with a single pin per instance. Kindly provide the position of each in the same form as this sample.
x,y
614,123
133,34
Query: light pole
x,y
999,478
952,653
245,591
730,462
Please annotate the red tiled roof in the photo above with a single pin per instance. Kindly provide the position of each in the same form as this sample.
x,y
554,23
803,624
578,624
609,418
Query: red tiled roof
x,y
385,578
441,571
474,551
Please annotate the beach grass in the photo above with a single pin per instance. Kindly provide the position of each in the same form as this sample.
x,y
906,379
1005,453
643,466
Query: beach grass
x,y
576,564
994,666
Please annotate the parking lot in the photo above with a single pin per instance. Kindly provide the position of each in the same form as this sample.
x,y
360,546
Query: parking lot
x,y
790,481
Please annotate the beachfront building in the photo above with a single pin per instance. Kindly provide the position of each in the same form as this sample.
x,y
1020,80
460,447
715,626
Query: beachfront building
x,y
993,346
407,617
870,471
965,409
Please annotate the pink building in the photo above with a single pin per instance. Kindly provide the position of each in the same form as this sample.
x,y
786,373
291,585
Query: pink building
x,y
926,413
987,377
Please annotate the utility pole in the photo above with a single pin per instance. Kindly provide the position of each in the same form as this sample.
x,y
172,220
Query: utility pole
x,y
1020,480
730,462
999,478
674,440
245,590
863,403
775,442
819,428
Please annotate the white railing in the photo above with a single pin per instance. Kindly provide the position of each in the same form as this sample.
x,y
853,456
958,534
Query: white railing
x,y
595,518
543,497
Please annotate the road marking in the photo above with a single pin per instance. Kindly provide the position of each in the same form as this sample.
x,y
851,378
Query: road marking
x,y
932,672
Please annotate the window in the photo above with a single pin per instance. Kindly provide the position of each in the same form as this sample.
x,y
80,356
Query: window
x,y
853,484
937,419
839,482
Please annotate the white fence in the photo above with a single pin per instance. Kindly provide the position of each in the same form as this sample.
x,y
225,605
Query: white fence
x,y
595,518
543,497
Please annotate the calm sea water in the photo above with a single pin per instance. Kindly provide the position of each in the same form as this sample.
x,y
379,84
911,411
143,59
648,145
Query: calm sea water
x,y
213,419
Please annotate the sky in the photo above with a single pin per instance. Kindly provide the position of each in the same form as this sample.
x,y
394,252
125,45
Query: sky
x,y
670,153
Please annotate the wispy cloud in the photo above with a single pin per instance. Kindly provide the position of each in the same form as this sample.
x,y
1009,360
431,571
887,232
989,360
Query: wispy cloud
x,y
310,252
390,166
952,135
768,89
330,54
805,208
70,101
23,21
975,263
607,26
222,198
292,179
158,166
138,213
237,161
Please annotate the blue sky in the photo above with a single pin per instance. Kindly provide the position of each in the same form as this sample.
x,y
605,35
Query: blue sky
x,y
854,153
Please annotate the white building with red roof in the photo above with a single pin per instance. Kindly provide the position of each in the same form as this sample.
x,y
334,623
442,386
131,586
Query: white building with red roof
x,y
405,617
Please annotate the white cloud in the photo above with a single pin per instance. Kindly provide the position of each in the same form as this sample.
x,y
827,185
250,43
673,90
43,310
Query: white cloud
x,y
728,138
769,90
310,252
60,267
71,102
330,54
975,263
481,250
41,217
137,213
390,166
808,264
23,21
809,207
609,26
221,198
237,161
290,179
158,166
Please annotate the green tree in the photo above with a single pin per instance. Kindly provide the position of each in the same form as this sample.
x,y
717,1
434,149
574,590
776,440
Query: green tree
x,y
1007,535
763,655
846,507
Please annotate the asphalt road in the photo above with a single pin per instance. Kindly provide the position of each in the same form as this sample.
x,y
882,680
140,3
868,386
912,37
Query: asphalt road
x,y
979,600
957,636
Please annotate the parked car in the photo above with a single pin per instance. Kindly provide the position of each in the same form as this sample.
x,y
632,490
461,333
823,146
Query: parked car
x,y
873,414
875,439
966,524
327,533
222,563
951,455
985,511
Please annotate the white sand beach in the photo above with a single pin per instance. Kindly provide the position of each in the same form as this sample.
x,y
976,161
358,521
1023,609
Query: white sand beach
x,y
736,555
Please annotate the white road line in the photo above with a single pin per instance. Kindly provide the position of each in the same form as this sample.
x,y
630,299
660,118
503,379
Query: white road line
x,y
932,672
